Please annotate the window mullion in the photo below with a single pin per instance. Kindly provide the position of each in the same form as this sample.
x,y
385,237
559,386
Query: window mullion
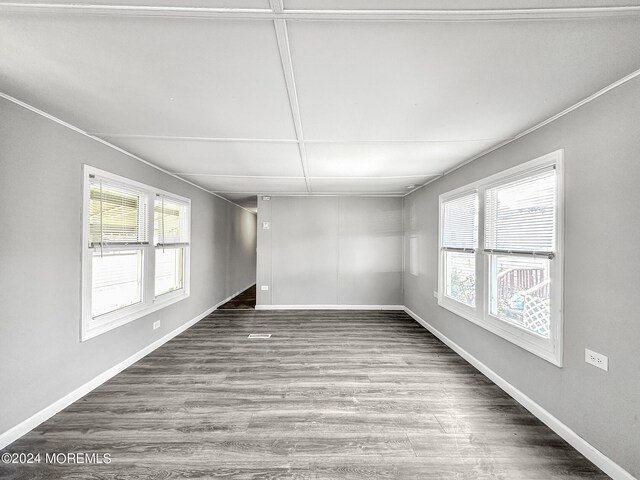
x,y
481,261
150,253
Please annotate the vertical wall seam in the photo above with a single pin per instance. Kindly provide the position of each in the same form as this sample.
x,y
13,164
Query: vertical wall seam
x,y
338,300
271,250
404,260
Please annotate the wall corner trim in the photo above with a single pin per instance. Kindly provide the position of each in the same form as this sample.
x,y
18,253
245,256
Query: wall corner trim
x,y
603,462
35,110
24,427
535,127
330,307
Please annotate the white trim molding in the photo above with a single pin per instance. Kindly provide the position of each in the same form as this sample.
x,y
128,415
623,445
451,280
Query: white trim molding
x,y
111,145
507,141
330,307
24,427
603,462
413,15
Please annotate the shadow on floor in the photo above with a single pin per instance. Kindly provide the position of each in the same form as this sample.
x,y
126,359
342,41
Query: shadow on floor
x,y
243,301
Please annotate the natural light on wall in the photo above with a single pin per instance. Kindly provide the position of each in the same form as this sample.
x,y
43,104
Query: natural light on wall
x,y
125,276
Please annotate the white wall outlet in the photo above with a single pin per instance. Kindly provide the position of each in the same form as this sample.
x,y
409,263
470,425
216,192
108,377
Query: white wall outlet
x,y
435,293
156,324
264,287
266,199
266,225
596,359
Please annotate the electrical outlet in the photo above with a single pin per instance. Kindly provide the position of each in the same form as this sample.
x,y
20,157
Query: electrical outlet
x,y
264,287
156,324
435,293
265,198
596,359
266,225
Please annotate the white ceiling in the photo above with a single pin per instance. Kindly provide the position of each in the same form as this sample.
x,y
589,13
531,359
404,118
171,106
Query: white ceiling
x,y
312,96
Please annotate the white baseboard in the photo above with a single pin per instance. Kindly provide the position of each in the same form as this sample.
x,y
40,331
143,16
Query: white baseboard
x,y
24,427
329,307
603,462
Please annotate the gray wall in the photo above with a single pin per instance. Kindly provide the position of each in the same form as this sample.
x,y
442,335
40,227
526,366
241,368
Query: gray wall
x,y
41,357
601,141
330,251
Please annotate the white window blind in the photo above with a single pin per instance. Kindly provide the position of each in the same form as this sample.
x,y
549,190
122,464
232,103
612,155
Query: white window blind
x,y
117,219
460,223
171,237
117,214
171,222
520,215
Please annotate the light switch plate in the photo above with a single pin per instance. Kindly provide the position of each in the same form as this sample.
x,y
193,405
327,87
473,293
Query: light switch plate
x,y
156,324
264,287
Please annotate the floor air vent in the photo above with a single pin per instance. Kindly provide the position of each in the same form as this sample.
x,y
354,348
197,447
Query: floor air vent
x,y
260,335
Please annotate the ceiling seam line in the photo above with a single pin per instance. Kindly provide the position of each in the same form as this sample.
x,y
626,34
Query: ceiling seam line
x,y
284,50
61,122
370,177
537,126
290,141
215,175
196,139
398,142
333,15
314,194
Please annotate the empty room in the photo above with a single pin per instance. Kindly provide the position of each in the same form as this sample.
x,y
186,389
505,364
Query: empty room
x,y
320,239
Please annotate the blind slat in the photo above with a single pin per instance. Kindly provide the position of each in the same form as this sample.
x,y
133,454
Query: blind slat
x,y
170,222
520,215
117,214
460,222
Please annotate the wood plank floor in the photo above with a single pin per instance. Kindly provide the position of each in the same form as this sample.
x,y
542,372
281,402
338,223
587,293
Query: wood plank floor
x,y
332,394
245,300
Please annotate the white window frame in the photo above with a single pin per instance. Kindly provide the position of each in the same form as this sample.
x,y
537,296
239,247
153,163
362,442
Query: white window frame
x,y
92,327
550,349
459,308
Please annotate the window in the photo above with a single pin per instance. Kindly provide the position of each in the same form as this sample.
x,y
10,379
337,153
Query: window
x,y
459,243
125,276
171,239
117,236
513,285
520,225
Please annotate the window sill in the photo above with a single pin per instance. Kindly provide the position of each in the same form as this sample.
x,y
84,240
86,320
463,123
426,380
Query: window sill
x,y
92,328
544,348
